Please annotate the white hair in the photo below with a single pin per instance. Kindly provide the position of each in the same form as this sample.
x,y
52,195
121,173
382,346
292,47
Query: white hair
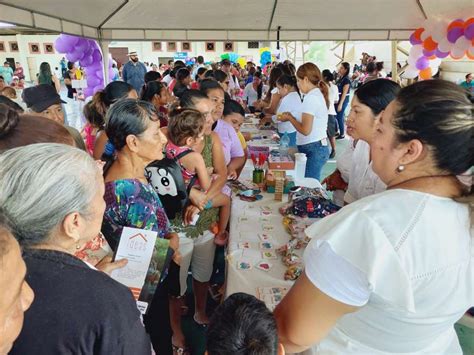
x,y
41,184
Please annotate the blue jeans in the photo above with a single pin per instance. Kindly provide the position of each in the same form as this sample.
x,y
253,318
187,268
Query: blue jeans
x,y
340,116
317,155
292,137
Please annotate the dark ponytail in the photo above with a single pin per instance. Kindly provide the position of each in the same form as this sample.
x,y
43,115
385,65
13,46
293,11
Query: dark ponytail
x,y
126,117
260,86
377,94
151,89
289,80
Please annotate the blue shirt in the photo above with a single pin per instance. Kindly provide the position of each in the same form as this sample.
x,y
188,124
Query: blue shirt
x,y
469,86
7,73
134,74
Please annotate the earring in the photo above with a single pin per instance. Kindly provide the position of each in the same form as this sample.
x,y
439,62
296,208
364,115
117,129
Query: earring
x,y
400,168
78,247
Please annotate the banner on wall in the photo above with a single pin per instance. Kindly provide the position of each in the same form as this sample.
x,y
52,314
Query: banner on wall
x,y
180,56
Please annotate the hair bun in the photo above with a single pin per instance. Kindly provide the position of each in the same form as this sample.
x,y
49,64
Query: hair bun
x,y
8,120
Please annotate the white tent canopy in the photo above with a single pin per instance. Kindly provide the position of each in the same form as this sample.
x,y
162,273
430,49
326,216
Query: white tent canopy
x,y
244,20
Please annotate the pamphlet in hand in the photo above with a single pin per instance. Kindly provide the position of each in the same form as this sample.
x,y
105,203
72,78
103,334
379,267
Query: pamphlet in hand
x,y
148,261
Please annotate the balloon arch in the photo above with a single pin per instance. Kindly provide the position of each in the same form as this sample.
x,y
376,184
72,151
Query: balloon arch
x,y
436,39
87,52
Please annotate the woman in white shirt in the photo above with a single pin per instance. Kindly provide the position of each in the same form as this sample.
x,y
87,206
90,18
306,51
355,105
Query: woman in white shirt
x,y
253,91
354,177
333,99
367,106
311,127
290,102
393,272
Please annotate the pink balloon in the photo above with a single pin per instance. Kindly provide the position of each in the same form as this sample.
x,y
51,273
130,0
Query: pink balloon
x,y
422,63
455,33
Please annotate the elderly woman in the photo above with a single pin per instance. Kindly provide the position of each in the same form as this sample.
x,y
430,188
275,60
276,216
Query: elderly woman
x,y
16,295
393,272
134,131
53,196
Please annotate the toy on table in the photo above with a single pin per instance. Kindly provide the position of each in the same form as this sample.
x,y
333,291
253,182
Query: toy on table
x,y
293,272
270,181
276,161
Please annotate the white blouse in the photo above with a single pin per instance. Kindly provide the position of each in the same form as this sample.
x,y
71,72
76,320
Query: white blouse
x,y
362,179
416,254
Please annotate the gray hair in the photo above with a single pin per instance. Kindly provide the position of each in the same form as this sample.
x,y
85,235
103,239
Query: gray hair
x,y
41,184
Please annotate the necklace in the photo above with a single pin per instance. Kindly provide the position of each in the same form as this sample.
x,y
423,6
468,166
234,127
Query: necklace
x,y
401,184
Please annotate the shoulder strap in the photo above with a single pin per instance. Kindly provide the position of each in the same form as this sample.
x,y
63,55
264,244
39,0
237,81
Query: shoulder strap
x,y
182,154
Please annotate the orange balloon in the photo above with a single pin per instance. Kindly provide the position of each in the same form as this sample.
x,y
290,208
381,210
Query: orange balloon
x,y
456,23
429,44
432,57
469,55
418,32
425,73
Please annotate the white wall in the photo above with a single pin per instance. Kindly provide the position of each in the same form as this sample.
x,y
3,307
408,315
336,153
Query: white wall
x,y
146,53
24,51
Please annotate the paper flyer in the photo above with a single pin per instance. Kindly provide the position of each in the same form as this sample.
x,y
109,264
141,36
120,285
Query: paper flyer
x,y
148,259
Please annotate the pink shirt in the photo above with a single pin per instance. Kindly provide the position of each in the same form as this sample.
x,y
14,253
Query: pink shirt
x,y
230,141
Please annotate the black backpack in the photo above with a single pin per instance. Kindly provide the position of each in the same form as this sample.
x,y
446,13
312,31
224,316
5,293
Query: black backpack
x,y
166,178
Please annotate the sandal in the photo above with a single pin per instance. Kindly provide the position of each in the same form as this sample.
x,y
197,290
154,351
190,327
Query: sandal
x,y
180,351
204,325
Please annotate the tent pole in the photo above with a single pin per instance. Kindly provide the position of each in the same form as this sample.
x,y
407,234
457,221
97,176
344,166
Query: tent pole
x,y
104,47
394,61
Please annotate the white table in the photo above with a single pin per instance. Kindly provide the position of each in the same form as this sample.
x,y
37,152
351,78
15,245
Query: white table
x,y
246,222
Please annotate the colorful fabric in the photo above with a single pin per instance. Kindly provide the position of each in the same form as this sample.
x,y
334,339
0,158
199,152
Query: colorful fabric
x,y
132,203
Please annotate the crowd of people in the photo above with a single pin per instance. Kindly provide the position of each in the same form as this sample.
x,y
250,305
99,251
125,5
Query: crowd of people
x,y
391,272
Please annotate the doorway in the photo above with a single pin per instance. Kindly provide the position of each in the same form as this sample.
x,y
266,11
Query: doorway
x,y
120,54
32,68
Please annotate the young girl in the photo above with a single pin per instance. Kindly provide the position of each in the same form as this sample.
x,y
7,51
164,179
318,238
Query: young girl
x,y
290,102
185,130
95,123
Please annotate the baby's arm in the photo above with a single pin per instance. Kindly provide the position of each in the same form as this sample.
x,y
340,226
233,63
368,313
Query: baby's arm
x,y
195,162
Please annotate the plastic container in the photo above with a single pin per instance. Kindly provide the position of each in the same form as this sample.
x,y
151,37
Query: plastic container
x,y
300,166
284,144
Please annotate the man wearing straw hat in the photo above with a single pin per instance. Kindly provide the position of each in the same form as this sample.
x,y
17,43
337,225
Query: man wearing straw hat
x,y
134,72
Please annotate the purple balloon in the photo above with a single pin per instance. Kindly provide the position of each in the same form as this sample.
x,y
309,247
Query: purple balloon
x,y
72,56
422,63
87,60
97,56
440,54
455,33
469,32
93,81
60,45
428,53
97,88
70,40
88,92
414,41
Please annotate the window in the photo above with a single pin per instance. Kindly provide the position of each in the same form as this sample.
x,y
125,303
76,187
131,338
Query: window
x,y
210,46
48,48
253,45
171,46
34,48
186,46
14,47
2,46
228,46
156,46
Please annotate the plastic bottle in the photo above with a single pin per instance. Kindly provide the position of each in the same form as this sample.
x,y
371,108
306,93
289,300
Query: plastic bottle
x,y
284,144
300,166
